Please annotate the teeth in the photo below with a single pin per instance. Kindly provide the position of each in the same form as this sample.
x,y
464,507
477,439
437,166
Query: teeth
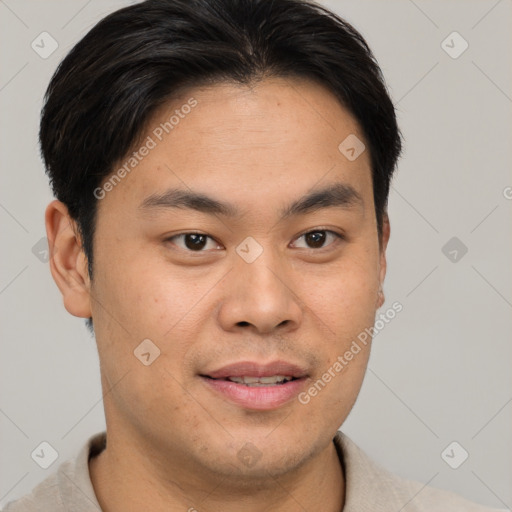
x,y
260,381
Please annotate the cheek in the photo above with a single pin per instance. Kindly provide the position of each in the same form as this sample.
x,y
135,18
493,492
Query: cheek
x,y
141,294
141,301
331,395
343,297
343,303
138,302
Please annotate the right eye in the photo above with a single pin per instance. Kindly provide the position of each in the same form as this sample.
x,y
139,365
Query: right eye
x,y
192,241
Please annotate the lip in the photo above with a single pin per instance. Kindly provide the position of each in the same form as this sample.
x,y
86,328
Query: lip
x,y
253,369
259,397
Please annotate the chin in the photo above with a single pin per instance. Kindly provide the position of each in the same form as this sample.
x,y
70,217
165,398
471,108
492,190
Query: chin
x,y
266,455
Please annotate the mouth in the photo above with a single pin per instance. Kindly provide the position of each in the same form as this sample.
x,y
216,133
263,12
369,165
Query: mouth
x,y
257,386
246,380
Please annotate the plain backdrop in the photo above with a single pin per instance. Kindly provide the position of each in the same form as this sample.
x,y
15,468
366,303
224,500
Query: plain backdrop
x,y
439,372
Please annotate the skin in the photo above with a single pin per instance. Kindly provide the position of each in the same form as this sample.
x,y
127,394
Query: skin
x,y
172,441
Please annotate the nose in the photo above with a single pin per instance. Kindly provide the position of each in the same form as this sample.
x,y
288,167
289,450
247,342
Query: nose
x,y
260,296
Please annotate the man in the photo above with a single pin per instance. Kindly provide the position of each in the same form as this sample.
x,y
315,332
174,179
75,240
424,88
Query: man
x,y
221,169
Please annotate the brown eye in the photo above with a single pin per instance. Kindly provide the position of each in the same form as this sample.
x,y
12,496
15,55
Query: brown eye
x,y
316,239
194,242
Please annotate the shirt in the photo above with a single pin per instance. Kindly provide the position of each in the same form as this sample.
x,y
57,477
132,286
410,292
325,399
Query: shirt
x,y
368,486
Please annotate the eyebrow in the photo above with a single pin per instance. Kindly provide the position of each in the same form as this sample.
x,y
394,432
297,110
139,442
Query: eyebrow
x,y
339,195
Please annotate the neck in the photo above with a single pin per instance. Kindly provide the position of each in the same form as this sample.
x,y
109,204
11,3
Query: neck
x,y
130,480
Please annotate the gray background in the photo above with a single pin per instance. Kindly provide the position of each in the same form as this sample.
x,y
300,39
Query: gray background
x,y
439,372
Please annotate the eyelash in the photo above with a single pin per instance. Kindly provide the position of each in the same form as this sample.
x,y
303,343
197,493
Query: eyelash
x,y
339,238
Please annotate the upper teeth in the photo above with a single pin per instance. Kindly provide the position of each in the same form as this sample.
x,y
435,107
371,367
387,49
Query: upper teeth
x,y
260,381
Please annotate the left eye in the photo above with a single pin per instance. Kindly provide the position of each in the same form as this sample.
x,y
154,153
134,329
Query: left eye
x,y
316,239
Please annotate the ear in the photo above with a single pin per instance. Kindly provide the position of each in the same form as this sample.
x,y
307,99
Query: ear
x,y
68,263
386,232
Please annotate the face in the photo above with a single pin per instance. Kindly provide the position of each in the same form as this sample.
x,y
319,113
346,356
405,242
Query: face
x,y
243,243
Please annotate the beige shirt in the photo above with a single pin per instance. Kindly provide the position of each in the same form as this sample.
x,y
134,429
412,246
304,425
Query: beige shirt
x,y
369,487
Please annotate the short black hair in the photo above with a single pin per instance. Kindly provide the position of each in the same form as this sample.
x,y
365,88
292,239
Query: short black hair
x,y
134,60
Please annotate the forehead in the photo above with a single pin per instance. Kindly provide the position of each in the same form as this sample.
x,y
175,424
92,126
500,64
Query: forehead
x,y
280,135
296,109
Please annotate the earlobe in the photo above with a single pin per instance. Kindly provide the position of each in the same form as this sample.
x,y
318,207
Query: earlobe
x,y
380,298
68,263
